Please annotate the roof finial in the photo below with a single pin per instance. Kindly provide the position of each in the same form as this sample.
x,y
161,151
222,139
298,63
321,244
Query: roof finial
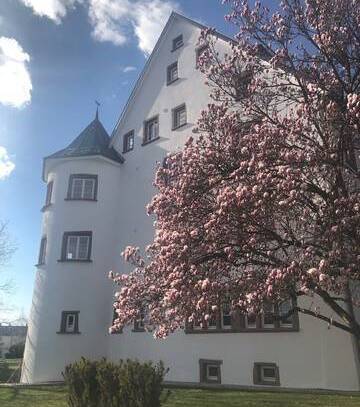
x,y
97,110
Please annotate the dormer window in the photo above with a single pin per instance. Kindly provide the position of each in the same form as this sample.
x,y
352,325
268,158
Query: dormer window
x,y
76,246
82,187
177,42
128,141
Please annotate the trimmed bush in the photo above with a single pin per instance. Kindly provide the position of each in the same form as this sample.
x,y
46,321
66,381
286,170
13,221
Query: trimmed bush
x,y
105,384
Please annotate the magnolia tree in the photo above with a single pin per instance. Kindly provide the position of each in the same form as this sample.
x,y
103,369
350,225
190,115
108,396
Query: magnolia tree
x,y
262,204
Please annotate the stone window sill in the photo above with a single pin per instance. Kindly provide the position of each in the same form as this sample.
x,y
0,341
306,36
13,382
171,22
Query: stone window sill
x,y
80,199
68,333
74,261
171,82
144,143
179,127
232,331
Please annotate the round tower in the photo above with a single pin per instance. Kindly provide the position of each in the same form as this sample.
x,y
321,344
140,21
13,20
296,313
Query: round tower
x,y
71,308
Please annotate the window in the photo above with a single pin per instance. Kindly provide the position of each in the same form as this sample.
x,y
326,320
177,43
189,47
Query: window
x,y
284,309
226,316
250,320
42,252
139,323
272,318
172,73
199,52
177,42
266,374
128,141
69,322
179,116
76,246
268,315
210,371
82,187
49,193
151,130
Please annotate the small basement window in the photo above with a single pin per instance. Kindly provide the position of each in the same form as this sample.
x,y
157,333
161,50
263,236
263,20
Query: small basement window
x,y
82,187
179,116
76,246
172,73
69,322
177,42
128,143
266,374
210,371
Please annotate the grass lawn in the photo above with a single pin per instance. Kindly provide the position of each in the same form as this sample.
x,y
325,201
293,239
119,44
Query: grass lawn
x,y
13,364
56,397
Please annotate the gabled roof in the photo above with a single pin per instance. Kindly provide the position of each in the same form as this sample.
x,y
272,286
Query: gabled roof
x,y
93,140
174,15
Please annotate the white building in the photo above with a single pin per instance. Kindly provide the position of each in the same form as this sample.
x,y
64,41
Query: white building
x,y
97,191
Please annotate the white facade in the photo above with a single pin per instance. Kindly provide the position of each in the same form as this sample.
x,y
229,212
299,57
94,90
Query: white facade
x,y
313,357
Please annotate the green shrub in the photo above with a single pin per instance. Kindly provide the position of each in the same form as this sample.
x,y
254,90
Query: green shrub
x,y
83,389
106,384
5,371
16,351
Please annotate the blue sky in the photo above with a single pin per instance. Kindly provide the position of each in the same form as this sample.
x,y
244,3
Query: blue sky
x,y
56,58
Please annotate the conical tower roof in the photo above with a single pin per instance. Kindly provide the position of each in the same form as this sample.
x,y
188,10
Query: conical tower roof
x,y
93,140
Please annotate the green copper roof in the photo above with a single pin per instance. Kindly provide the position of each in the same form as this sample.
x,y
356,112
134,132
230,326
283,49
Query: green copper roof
x,y
93,140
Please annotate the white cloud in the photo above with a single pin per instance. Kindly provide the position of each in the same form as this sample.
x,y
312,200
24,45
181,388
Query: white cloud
x,y
53,9
129,68
113,20
6,165
15,81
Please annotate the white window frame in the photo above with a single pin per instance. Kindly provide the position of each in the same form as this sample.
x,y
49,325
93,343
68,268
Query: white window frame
x,y
210,378
264,378
170,77
265,311
177,42
154,121
68,327
250,326
286,324
177,117
83,182
223,314
129,141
